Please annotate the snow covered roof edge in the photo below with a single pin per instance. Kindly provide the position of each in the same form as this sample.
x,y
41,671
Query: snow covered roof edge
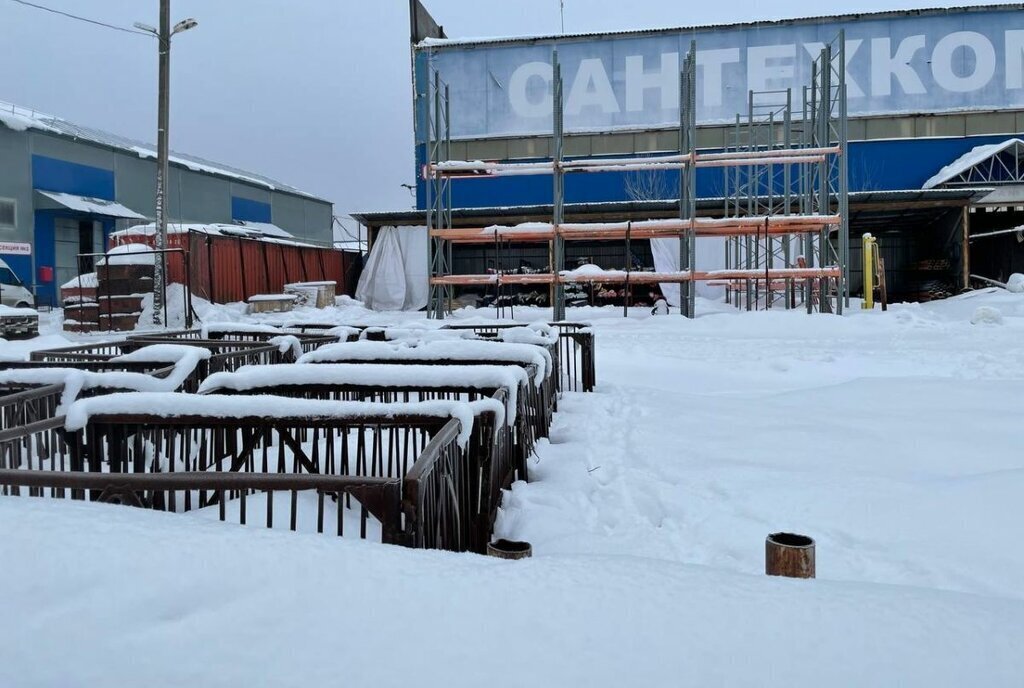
x,y
434,43
973,157
20,118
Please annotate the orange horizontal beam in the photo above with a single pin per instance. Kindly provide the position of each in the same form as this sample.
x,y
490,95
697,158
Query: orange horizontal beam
x,y
773,225
619,276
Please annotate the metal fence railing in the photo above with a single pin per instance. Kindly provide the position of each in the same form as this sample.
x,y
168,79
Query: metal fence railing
x,y
225,355
231,493
540,399
497,452
307,341
575,354
22,405
231,466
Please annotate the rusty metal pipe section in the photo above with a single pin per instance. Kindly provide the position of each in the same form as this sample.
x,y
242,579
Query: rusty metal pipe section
x,y
790,555
509,549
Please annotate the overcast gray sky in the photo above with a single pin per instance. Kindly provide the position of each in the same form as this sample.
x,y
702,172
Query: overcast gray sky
x,y
315,93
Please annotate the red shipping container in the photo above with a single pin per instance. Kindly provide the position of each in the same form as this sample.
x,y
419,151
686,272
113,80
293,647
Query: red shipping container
x,y
225,269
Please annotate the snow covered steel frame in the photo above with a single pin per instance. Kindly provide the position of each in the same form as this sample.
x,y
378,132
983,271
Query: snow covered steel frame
x,y
539,362
22,405
224,355
899,62
406,471
576,364
498,447
307,341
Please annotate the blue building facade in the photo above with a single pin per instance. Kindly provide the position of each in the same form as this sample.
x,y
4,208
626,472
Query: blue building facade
x,y
65,188
924,88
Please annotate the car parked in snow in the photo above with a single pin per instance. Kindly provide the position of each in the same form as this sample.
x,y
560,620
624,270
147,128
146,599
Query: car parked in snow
x,y
12,291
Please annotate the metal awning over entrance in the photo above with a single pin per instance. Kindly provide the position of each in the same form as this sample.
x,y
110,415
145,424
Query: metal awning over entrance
x,y
91,206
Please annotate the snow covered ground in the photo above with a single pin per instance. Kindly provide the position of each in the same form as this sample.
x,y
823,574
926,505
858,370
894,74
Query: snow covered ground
x,y
892,439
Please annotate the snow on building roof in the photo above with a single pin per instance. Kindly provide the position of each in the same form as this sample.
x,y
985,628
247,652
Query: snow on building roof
x,y
973,157
21,119
268,229
251,230
434,43
95,206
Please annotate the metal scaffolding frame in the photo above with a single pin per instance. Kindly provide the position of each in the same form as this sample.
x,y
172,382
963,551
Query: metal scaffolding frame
x,y
784,218
439,196
814,188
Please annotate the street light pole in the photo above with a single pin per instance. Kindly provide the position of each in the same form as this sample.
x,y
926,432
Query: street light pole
x,y
163,35
162,165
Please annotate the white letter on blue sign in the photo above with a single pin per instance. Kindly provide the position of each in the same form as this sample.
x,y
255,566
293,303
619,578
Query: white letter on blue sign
x,y
665,79
712,62
853,89
885,65
591,88
761,76
1014,59
519,88
984,61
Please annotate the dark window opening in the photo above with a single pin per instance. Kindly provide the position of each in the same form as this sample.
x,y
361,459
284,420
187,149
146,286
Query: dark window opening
x,y
85,245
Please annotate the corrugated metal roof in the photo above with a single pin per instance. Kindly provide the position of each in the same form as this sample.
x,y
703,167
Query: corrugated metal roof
x,y
888,14
20,118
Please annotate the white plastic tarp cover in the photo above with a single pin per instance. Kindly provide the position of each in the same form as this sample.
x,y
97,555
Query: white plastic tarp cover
x,y
395,275
710,256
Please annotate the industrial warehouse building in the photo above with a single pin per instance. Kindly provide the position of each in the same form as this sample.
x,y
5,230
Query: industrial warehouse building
x,y
935,104
64,188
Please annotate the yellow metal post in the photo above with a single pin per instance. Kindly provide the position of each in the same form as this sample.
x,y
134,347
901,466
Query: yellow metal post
x,y
869,271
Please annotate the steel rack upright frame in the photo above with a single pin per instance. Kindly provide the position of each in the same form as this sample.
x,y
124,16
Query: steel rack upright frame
x,y
758,219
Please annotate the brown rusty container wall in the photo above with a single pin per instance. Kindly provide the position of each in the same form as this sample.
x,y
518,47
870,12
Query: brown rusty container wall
x,y
226,269
789,554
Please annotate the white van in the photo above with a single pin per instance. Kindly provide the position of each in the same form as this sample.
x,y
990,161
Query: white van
x,y
12,291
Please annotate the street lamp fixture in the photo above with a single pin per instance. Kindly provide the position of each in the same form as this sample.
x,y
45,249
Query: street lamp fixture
x,y
163,35
184,25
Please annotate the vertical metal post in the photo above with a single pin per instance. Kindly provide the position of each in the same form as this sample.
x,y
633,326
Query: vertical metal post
x,y
749,285
810,96
438,197
844,182
558,192
429,197
449,290
162,165
965,258
787,202
687,180
684,149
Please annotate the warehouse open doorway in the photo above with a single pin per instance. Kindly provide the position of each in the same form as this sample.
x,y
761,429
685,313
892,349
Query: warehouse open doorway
x,y
74,236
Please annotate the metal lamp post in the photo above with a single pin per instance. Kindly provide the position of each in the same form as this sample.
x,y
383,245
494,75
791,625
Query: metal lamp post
x,y
163,35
